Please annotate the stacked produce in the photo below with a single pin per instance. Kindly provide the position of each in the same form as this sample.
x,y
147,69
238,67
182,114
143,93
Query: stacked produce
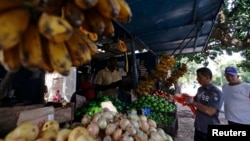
x,y
163,94
111,126
103,126
160,72
156,108
94,106
154,103
165,72
54,35
175,75
49,131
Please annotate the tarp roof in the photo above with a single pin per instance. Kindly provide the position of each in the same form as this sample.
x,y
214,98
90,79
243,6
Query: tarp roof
x,y
171,26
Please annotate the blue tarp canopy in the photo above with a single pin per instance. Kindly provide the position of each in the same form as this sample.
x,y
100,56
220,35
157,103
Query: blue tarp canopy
x,y
170,26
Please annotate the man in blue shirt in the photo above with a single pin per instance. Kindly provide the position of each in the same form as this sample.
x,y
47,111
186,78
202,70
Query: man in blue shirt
x,y
208,102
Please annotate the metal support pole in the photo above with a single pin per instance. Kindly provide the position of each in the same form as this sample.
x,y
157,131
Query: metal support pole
x,y
134,63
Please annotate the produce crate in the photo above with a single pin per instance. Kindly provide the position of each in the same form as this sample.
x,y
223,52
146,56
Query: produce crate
x,y
64,114
172,130
9,117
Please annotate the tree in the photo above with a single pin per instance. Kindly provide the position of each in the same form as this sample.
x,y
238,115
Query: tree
x,y
230,33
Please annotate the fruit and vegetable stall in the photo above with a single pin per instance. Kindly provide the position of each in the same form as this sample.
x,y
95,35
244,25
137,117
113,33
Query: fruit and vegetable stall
x,y
53,36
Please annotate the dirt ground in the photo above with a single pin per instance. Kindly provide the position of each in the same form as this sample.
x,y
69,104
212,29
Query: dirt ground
x,y
186,123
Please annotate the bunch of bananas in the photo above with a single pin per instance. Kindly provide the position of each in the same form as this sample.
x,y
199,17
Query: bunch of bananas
x,y
175,75
163,68
145,87
163,73
54,35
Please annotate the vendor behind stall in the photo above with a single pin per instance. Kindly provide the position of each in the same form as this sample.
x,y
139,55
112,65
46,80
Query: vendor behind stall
x,y
108,79
86,92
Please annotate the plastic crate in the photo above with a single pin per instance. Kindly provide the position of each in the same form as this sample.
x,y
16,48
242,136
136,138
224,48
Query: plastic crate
x,y
172,130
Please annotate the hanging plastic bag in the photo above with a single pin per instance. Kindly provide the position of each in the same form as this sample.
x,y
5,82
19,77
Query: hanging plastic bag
x,y
181,99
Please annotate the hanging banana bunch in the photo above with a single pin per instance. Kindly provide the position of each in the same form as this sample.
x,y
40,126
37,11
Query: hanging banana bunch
x,y
161,73
54,35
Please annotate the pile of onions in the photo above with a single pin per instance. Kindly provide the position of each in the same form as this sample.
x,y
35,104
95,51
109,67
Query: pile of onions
x,y
111,126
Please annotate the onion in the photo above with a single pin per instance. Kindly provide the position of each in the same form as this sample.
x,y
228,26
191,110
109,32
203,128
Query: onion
x,y
152,129
133,111
102,123
118,117
161,131
107,138
169,138
144,126
131,130
124,123
117,134
96,117
143,118
111,127
127,138
134,123
134,115
156,136
93,129
164,135
86,120
108,115
140,136
152,123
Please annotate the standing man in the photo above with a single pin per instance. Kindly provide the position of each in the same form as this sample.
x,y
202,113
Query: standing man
x,y
109,78
208,102
237,98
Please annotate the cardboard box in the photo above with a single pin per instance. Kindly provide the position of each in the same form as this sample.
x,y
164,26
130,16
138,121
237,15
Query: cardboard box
x,y
37,116
9,117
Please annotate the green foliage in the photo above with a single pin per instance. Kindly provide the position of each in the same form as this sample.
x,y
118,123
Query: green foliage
x,y
236,25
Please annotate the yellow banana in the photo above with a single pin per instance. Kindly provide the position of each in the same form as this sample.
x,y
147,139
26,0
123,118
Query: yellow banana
x,y
125,13
161,69
73,14
11,60
93,21
7,4
59,57
90,44
13,23
92,36
31,48
86,4
109,30
45,64
78,50
54,28
108,8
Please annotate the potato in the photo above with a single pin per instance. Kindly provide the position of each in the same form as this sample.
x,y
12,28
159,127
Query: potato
x,y
28,131
63,135
51,124
48,134
76,132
